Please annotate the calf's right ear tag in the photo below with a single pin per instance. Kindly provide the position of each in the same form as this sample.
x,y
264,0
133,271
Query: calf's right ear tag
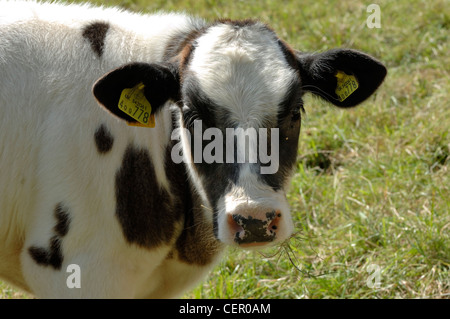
x,y
134,103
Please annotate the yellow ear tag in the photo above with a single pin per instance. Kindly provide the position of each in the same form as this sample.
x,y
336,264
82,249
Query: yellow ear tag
x,y
134,103
346,85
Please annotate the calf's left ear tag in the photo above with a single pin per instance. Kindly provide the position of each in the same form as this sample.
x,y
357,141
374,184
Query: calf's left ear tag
x,y
346,85
134,103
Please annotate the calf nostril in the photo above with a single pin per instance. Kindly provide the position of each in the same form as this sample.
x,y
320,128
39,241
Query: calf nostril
x,y
273,226
235,223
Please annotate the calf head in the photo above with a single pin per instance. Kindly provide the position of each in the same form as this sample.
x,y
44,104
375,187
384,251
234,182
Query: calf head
x,y
240,77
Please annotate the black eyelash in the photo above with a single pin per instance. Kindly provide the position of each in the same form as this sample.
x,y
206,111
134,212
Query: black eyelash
x,y
189,117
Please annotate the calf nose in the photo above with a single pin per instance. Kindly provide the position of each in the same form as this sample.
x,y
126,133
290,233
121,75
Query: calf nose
x,y
253,231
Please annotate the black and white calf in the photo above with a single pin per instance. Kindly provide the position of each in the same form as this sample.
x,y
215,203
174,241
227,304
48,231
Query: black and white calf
x,y
79,185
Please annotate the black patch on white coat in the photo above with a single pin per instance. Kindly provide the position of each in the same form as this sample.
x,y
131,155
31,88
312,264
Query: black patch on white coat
x,y
198,106
95,33
63,220
53,256
146,212
103,139
48,257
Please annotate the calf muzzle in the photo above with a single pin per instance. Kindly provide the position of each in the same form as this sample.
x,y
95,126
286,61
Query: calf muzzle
x,y
252,231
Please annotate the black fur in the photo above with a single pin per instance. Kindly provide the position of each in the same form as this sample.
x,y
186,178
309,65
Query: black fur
x,y
63,220
103,139
318,74
161,84
53,255
146,212
95,33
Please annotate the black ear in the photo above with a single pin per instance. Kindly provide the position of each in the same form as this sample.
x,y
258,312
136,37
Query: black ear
x,y
318,74
161,83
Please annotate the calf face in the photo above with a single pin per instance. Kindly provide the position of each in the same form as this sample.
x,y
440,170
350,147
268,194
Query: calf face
x,y
239,90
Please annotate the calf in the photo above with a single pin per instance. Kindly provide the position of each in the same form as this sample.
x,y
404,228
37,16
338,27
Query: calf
x,y
136,211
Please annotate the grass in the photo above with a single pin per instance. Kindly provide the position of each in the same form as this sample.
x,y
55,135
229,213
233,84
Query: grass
x,y
372,184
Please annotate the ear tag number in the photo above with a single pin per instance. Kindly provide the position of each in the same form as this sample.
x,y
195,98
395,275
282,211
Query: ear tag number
x,y
346,85
134,103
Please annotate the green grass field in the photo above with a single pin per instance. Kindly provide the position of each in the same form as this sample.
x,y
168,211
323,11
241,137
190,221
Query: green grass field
x,y
372,185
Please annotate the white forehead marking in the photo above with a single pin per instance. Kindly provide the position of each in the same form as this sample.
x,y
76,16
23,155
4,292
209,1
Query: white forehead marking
x,y
243,70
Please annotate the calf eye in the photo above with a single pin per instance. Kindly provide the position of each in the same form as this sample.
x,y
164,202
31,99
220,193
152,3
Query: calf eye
x,y
189,117
295,115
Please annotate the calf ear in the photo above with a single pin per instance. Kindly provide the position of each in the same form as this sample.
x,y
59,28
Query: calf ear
x,y
161,83
320,72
